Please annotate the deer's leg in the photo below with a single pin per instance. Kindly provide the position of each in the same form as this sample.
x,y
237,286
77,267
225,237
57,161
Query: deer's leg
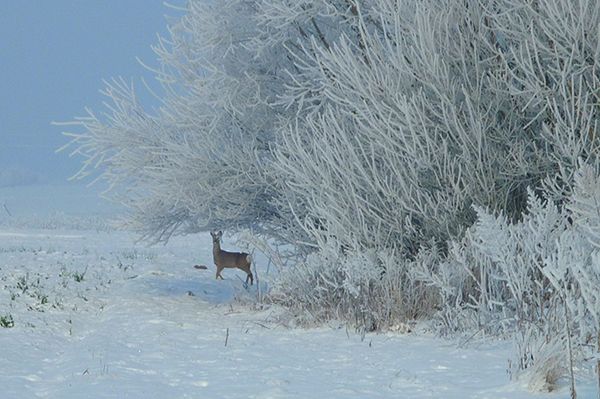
x,y
219,270
246,269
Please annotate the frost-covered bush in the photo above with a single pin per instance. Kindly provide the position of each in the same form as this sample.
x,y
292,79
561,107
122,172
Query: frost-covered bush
x,y
585,208
492,283
541,361
370,289
494,277
535,280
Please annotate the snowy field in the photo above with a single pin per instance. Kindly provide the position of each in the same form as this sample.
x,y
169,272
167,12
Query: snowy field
x,y
92,314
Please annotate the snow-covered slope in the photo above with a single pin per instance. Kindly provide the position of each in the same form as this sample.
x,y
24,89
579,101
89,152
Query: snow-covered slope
x,y
97,316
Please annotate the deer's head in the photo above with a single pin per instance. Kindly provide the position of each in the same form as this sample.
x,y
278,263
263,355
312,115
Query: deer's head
x,y
216,236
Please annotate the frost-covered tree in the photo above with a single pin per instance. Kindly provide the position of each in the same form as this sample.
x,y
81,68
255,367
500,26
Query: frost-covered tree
x,y
196,162
366,121
438,106
202,160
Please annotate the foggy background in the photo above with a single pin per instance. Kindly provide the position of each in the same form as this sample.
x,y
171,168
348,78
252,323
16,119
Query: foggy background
x,y
54,56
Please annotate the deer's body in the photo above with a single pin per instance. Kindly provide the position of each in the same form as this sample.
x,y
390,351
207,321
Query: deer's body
x,y
231,260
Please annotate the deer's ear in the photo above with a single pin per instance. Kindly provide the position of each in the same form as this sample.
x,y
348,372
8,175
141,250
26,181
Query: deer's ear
x,y
220,233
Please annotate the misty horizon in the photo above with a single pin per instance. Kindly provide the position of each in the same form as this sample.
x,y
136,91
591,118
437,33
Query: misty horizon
x,y
56,56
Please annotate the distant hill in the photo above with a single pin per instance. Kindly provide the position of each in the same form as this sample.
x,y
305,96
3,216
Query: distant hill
x,y
70,206
12,177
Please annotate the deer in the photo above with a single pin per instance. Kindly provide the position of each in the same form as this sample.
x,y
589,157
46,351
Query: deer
x,y
232,260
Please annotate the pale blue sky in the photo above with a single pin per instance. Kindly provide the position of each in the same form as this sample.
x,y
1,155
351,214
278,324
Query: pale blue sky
x,y
54,55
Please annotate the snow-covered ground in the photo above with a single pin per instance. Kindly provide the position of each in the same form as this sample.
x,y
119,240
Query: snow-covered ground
x,y
90,313
96,315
